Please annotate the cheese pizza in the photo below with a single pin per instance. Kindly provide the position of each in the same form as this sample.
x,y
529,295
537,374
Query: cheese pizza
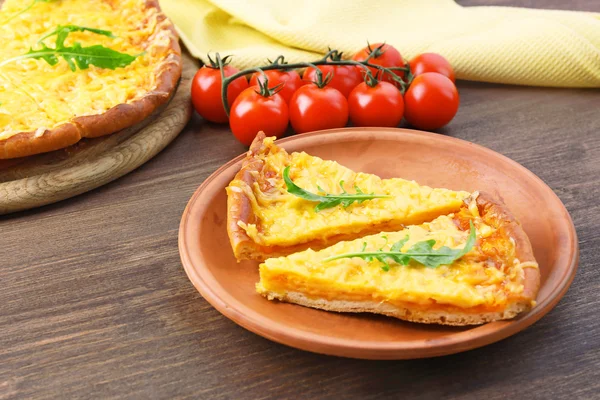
x,y
71,69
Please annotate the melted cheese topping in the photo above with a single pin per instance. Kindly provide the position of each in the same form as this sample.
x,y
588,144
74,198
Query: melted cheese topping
x,y
478,281
285,219
35,95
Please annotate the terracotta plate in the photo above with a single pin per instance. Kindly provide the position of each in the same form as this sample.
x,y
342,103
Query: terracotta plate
x,y
429,159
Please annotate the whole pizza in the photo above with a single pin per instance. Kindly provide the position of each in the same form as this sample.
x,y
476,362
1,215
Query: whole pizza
x,y
71,69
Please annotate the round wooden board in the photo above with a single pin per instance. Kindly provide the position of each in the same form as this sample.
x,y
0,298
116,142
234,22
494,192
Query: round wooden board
x,y
430,159
47,178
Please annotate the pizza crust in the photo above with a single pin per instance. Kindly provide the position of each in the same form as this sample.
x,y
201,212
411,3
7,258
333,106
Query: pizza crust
x,y
239,206
115,119
455,317
493,213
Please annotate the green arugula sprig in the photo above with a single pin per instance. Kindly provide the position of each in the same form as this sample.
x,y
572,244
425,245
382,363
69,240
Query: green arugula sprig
x,y
77,56
421,252
328,200
62,31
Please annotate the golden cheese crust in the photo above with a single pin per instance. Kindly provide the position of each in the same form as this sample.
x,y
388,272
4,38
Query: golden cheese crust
x,y
118,117
495,213
239,207
264,220
507,229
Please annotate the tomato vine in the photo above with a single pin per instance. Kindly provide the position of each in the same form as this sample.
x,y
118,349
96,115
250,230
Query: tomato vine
x,y
332,57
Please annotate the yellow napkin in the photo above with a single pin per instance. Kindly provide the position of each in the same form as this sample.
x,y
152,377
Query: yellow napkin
x,y
492,44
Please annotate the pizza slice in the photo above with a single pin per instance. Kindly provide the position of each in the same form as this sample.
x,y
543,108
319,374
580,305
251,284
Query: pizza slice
x,y
470,267
280,203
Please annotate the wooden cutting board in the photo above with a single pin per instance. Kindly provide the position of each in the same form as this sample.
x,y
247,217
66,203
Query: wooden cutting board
x,y
47,178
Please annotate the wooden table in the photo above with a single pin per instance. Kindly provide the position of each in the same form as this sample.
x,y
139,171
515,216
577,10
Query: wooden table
x,y
94,302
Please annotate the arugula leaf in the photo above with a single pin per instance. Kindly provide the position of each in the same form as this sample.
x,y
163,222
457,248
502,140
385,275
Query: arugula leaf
x,y
396,247
62,31
82,57
421,252
442,256
344,199
77,56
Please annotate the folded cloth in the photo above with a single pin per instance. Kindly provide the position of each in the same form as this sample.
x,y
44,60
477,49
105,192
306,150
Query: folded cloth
x,y
491,44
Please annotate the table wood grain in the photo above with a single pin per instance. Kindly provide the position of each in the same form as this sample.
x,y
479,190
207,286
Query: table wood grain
x,y
94,302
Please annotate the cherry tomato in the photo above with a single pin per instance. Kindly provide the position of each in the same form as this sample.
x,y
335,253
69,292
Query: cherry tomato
x,y
345,77
431,62
290,79
252,112
386,56
206,92
431,101
380,105
313,108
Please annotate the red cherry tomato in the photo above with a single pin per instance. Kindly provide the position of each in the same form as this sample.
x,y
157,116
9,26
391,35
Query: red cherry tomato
x,y
380,105
290,79
431,62
206,92
386,56
431,101
252,112
313,108
345,77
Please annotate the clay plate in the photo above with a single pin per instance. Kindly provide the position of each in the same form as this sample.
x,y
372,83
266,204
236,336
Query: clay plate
x,y
428,158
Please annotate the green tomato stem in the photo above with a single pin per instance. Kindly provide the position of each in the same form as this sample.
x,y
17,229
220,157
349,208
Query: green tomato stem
x,y
323,61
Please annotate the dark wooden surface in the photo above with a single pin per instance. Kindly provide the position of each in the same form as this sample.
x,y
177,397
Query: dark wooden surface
x,y
94,302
